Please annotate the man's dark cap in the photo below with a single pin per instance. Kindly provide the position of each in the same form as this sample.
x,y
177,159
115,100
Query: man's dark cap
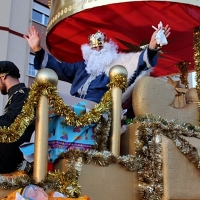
x,y
10,68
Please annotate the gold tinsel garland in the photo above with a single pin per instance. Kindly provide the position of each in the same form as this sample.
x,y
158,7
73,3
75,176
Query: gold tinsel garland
x,y
119,81
148,147
27,115
148,159
183,68
102,130
64,182
147,162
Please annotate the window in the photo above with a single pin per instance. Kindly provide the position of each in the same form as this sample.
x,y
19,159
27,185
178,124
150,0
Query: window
x,y
31,71
40,14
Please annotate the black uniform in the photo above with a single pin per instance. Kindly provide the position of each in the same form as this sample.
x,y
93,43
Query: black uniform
x,y
10,154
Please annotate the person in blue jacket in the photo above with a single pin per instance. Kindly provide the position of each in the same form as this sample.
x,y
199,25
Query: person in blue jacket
x,y
89,77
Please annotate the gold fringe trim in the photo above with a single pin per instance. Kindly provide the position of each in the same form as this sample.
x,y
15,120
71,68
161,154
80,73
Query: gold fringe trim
x,y
27,115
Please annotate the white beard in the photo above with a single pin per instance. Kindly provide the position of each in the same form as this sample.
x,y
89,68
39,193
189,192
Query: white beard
x,y
96,61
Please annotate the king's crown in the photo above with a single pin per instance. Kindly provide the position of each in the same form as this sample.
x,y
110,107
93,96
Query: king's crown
x,y
97,39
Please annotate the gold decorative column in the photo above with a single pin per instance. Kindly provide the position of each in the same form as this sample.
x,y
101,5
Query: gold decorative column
x,y
42,123
116,71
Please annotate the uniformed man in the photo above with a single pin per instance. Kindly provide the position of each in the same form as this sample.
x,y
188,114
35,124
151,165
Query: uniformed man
x,y
10,154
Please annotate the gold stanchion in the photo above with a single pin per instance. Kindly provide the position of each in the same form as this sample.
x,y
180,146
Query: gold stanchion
x,y
42,123
116,110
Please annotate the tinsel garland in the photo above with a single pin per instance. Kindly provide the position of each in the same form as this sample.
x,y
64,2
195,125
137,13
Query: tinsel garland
x,y
105,158
147,162
102,130
148,147
118,81
183,68
67,182
148,159
27,115
14,180
64,182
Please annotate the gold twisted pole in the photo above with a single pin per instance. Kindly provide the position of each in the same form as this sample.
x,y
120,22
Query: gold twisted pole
x,y
42,124
116,109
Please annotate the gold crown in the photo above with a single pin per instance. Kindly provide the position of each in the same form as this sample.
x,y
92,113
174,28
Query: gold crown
x,y
97,39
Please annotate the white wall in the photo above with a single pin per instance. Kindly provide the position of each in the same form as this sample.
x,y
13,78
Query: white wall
x,y
63,87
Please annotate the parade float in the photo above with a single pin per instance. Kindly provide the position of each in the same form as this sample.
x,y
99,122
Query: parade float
x,y
157,157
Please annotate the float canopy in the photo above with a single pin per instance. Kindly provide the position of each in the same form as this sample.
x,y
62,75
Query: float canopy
x,y
129,24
